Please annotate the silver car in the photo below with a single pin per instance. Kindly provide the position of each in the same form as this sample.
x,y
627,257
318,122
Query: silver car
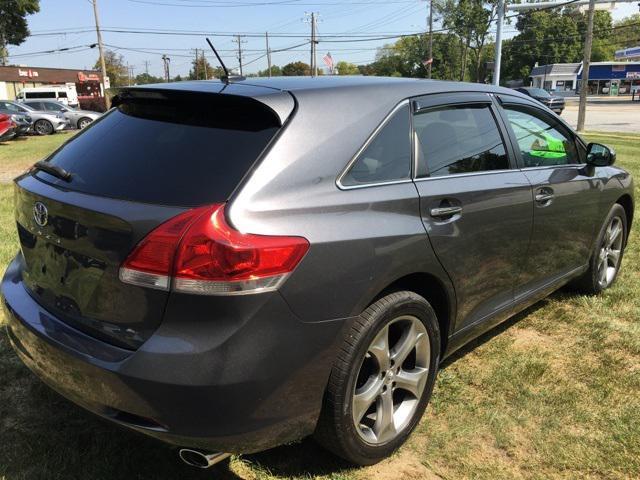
x,y
44,123
77,118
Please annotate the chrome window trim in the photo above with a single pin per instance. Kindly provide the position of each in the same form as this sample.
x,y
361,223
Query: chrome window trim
x,y
353,160
546,167
468,174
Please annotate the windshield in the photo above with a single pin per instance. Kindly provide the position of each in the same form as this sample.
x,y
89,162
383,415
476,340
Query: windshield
x,y
23,106
538,92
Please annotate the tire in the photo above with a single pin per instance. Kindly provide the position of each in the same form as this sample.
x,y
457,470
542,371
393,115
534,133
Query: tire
x,y
83,122
358,376
43,127
597,278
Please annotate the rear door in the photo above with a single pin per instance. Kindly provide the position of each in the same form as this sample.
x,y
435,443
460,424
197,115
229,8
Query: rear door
x,y
139,165
476,207
566,192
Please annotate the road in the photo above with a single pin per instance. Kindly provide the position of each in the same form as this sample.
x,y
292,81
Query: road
x,y
607,116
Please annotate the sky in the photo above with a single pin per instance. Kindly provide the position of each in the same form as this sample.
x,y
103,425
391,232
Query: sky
x,y
70,23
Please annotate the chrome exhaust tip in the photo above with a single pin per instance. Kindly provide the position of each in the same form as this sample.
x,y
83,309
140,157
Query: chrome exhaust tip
x,y
198,459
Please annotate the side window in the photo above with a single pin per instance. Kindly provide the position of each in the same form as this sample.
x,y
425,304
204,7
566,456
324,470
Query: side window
x,y
387,157
52,107
458,139
540,139
12,107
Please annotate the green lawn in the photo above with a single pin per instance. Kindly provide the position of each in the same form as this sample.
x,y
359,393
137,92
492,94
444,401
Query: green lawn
x,y
18,154
551,393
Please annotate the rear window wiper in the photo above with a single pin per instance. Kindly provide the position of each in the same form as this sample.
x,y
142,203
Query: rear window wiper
x,y
54,170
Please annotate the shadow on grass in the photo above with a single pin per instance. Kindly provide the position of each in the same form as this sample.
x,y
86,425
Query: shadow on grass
x,y
45,436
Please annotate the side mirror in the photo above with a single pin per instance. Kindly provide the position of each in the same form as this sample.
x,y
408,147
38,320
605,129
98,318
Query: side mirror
x,y
600,155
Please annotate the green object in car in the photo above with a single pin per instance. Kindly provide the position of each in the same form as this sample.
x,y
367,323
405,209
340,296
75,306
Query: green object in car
x,y
554,148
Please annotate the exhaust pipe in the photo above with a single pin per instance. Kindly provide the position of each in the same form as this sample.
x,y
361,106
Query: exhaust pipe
x,y
198,459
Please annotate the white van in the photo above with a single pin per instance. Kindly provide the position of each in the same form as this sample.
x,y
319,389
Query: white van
x,y
66,94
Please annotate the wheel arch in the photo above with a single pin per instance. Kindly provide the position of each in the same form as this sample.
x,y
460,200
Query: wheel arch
x,y
432,289
627,203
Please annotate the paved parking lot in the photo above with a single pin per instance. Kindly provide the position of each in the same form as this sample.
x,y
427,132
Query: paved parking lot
x,y
607,115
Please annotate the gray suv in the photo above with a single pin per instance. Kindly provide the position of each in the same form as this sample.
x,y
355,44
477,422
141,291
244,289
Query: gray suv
x,y
231,267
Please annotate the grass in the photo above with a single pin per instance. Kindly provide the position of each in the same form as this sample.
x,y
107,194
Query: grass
x,y
19,154
551,393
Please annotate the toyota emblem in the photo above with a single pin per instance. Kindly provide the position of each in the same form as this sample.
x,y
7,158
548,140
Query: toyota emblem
x,y
40,214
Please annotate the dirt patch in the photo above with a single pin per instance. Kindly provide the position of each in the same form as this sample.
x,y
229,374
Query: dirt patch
x,y
526,338
403,466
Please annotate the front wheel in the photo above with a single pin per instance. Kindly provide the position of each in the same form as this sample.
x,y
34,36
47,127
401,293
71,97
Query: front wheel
x,y
43,127
84,122
606,258
382,379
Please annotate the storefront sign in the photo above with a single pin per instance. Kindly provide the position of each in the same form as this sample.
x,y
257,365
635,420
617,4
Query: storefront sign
x,y
91,77
633,75
27,73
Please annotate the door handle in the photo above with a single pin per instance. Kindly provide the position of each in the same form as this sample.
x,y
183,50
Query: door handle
x,y
445,211
544,197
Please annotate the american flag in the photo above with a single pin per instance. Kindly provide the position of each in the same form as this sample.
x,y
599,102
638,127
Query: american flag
x,y
328,61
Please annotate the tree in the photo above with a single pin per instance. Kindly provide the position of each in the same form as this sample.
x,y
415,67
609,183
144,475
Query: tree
x,y
145,78
470,20
116,69
13,24
202,69
625,34
601,48
276,71
545,37
295,69
405,58
346,68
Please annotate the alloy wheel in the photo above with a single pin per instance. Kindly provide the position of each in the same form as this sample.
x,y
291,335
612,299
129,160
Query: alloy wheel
x,y
43,127
610,251
391,380
83,123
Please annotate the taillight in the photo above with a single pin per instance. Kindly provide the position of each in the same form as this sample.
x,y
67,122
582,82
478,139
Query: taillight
x,y
198,252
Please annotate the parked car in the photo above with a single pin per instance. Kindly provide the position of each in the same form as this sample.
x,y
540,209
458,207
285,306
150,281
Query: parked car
x,y
44,123
231,267
7,127
77,118
23,123
554,103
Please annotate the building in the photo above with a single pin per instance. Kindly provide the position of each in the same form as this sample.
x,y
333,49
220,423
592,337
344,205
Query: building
x,y
605,78
14,78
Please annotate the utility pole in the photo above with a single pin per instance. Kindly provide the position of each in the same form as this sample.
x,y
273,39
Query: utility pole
x,y
204,66
146,67
166,61
103,67
430,39
239,41
584,83
313,64
266,36
196,67
498,60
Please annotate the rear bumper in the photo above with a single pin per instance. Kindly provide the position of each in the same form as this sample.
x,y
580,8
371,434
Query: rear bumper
x,y
236,388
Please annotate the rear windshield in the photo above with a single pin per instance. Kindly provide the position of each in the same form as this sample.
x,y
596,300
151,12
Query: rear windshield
x,y
183,151
539,92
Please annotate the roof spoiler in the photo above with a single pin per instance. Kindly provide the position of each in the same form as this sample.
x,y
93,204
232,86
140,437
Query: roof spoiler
x,y
280,104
